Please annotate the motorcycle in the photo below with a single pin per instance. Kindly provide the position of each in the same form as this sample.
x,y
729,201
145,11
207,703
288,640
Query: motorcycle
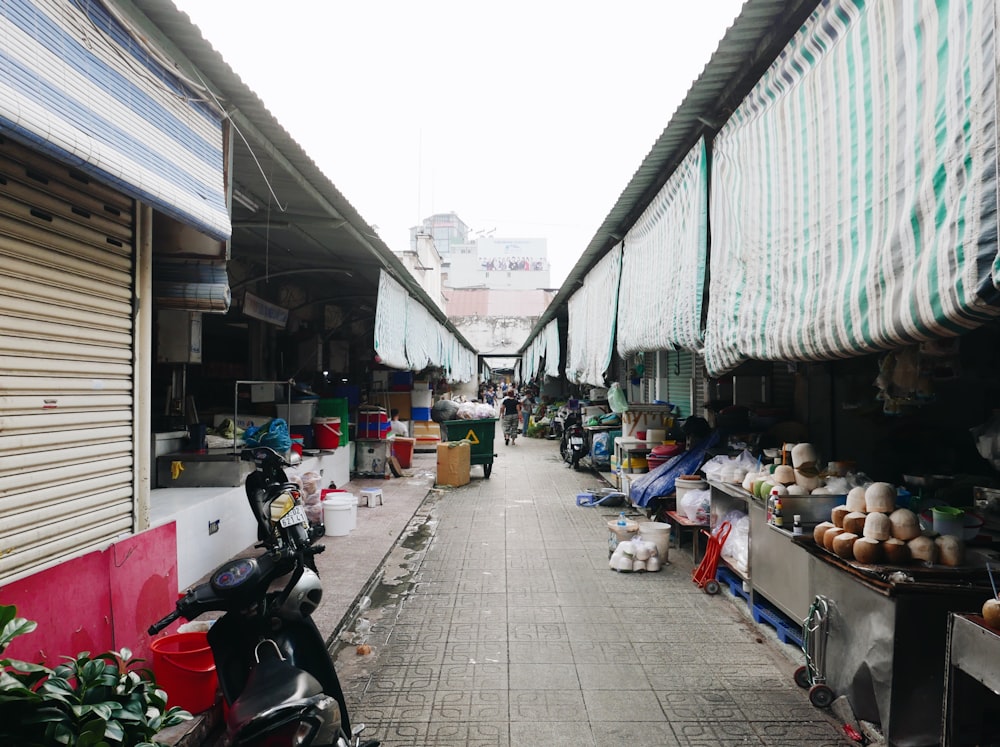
x,y
274,670
572,444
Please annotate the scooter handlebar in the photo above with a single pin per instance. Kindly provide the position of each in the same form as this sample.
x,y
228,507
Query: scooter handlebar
x,y
161,624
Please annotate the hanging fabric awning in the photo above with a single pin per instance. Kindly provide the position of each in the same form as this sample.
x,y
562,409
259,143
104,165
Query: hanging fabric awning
x,y
592,312
408,337
79,85
552,349
390,322
663,264
421,337
854,192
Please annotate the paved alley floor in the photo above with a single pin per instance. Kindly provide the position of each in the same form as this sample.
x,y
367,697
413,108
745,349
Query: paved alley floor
x,y
496,620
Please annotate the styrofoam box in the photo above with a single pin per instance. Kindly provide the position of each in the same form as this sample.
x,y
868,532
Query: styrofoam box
x,y
297,412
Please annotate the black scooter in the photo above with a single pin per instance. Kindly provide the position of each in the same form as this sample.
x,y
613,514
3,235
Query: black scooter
x,y
274,669
573,443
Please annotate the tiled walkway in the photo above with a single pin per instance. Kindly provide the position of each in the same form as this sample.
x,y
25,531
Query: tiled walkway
x,y
498,622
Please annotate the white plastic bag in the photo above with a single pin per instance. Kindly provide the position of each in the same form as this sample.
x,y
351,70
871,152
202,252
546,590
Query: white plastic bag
x,y
695,505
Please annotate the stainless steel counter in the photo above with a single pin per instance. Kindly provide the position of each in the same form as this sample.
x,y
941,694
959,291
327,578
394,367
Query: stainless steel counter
x,y
887,640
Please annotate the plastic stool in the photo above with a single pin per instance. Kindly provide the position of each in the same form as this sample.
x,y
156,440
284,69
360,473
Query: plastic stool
x,y
370,495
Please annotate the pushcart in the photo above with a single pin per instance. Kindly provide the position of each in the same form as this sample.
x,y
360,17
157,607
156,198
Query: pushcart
x,y
812,676
479,434
704,574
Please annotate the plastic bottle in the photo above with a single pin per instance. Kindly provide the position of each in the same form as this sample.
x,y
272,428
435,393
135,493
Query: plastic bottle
x,y
797,525
779,520
621,520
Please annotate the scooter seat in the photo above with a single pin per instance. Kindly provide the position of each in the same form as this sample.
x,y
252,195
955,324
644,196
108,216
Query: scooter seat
x,y
272,682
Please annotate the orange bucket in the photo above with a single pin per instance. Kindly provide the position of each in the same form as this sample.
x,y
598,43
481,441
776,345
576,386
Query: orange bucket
x,y
185,670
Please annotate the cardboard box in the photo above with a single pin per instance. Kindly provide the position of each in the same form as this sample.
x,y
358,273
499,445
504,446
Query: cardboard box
x,y
454,462
426,433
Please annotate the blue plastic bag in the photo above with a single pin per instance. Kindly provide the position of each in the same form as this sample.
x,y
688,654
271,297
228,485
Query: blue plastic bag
x,y
274,433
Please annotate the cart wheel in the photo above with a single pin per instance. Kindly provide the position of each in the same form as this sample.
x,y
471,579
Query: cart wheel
x,y
487,468
820,696
802,678
712,587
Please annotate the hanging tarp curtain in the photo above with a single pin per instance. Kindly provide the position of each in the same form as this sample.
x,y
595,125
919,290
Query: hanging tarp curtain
x,y
552,350
78,85
408,337
663,264
390,322
592,312
854,193
542,355
421,337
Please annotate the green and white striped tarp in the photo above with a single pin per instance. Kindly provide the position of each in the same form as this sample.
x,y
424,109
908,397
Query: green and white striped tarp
x,y
663,264
854,191
542,355
592,312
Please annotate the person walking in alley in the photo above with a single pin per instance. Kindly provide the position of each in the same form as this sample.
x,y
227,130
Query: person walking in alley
x,y
527,407
510,413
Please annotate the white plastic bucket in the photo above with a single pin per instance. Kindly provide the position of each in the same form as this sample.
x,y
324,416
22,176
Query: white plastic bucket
x,y
353,503
337,516
657,532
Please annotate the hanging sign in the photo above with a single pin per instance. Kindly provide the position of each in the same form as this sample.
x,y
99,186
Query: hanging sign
x,y
258,308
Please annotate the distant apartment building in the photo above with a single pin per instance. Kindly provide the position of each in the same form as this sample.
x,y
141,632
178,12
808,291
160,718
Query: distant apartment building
x,y
484,261
494,288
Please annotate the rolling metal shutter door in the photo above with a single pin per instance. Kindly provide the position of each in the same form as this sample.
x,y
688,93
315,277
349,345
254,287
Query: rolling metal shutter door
x,y
66,363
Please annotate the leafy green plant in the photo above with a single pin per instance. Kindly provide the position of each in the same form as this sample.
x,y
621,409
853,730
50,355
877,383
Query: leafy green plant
x,y
105,700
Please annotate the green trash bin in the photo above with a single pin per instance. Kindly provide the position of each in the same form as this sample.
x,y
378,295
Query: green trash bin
x,y
479,433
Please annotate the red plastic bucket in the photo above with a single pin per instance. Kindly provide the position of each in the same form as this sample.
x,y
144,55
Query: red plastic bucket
x,y
185,669
402,449
326,431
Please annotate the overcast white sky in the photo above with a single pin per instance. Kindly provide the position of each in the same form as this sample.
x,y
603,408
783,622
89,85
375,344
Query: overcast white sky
x,y
528,117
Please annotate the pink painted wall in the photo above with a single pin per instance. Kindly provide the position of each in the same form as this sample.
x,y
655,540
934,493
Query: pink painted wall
x,y
102,601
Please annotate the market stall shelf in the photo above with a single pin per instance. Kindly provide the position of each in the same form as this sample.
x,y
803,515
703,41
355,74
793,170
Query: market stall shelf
x,y
682,523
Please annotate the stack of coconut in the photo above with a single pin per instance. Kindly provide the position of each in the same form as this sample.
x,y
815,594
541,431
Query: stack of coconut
x,y
870,529
801,477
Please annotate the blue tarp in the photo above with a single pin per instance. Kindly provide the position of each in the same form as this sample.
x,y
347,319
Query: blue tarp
x,y
660,481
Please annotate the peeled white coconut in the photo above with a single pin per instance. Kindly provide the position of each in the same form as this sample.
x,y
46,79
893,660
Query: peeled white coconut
x,y
923,548
855,522
856,500
784,474
881,497
778,489
843,545
794,489
821,490
653,564
808,481
639,565
897,551
904,524
820,530
877,527
748,481
951,550
867,550
803,455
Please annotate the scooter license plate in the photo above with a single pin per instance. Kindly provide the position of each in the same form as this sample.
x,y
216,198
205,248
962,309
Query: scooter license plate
x,y
576,441
297,515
